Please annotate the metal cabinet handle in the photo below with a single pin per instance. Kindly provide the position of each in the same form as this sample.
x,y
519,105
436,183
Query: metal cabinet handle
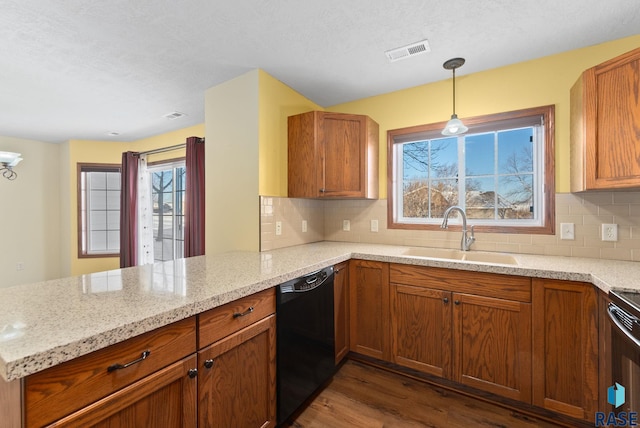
x,y
247,312
208,363
446,300
457,302
119,366
193,373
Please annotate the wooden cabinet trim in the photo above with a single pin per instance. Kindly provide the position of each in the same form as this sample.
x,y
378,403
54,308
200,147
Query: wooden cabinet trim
x,y
341,310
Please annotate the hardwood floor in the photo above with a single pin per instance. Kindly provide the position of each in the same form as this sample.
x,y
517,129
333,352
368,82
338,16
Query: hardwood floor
x,y
364,396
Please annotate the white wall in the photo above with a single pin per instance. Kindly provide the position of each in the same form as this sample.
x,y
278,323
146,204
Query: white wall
x,y
30,214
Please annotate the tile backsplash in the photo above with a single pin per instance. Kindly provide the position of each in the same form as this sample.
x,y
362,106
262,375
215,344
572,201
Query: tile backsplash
x,y
587,211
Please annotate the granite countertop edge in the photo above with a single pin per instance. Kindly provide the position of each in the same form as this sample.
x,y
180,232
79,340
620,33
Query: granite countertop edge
x,y
211,281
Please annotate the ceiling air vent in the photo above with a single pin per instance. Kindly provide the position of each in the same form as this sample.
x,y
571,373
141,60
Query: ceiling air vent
x,y
408,51
174,115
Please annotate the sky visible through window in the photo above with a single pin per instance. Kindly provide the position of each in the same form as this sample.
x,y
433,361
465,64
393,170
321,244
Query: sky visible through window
x,y
498,172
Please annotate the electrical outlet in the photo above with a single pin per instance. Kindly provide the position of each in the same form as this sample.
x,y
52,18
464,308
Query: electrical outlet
x,y
304,226
374,225
609,232
346,225
278,228
567,231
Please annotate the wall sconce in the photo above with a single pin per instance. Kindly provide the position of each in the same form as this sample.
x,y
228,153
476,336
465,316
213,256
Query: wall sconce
x,y
7,161
455,125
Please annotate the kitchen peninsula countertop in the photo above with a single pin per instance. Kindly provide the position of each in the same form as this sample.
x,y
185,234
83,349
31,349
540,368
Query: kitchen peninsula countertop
x,y
46,323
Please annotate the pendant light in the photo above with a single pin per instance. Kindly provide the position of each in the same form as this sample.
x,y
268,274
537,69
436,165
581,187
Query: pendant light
x,y
455,125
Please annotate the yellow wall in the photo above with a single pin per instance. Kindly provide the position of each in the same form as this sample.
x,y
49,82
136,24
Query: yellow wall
x,y
528,84
276,102
83,151
231,164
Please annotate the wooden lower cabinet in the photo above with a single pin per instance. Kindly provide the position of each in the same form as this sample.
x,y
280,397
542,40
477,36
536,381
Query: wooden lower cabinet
x,y
166,398
492,345
237,378
369,308
422,333
479,341
565,347
341,309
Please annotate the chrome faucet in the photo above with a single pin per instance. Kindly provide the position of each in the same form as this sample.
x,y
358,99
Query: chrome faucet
x,y
466,241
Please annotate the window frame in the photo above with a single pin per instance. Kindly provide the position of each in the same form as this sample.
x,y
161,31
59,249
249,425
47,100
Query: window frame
x,y
474,123
83,168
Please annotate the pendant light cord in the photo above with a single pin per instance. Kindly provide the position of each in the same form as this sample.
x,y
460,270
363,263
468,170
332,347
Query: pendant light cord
x,y
454,91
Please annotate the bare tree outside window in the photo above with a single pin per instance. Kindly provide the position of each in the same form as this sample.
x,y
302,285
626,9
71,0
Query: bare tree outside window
x,y
167,195
497,174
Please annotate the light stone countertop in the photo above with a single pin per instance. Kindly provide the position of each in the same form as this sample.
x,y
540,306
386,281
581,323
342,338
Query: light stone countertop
x,y
47,323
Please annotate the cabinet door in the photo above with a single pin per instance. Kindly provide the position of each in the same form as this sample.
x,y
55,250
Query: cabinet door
x,y
237,383
344,155
605,118
369,308
421,329
341,309
166,398
565,347
303,155
492,345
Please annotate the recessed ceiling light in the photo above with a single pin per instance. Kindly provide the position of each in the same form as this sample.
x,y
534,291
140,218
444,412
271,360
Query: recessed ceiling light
x,y
174,115
114,134
407,51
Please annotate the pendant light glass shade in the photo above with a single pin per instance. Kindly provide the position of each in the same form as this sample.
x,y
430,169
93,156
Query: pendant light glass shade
x,y
455,125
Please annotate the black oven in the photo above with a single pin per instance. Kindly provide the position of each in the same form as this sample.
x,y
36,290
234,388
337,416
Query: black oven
x,y
623,393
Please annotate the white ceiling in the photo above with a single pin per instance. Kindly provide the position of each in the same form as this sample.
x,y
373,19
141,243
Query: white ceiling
x,y
80,69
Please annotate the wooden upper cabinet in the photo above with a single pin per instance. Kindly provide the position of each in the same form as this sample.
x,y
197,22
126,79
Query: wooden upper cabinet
x,y
332,155
605,124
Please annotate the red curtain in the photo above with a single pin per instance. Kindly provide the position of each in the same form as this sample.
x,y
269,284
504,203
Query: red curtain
x,y
194,198
128,210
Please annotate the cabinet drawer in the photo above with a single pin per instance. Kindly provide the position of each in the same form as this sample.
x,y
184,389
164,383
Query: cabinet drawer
x,y
508,287
67,387
220,322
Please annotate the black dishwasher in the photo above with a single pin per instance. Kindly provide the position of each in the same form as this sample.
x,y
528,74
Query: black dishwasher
x,y
305,339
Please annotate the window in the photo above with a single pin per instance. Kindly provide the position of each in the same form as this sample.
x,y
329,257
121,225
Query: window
x,y
99,210
168,183
500,172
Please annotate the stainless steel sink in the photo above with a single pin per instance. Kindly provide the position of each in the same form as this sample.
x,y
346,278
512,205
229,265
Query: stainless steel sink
x,y
469,256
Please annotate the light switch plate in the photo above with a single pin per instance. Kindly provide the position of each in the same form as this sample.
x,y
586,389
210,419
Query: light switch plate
x,y
374,225
304,226
346,225
567,231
